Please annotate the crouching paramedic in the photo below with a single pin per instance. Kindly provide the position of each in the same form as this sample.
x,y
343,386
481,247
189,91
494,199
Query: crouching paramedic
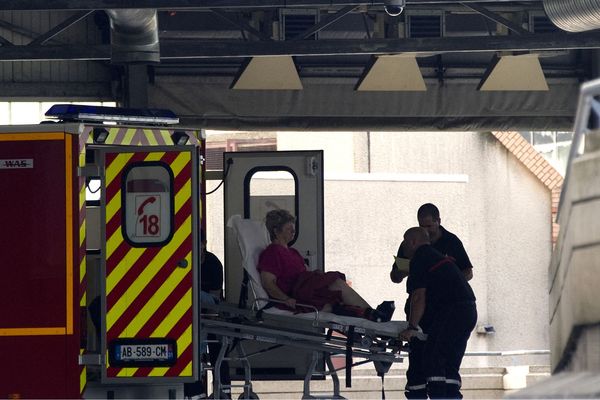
x,y
443,304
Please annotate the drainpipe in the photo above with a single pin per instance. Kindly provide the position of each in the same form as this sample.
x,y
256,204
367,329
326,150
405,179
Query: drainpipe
x,y
574,15
134,36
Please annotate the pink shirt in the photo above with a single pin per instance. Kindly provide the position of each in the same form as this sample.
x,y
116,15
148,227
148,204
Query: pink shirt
x,y
283,262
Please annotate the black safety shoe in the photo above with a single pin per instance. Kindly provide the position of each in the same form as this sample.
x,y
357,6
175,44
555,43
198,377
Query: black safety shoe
x,y
375,315
386,310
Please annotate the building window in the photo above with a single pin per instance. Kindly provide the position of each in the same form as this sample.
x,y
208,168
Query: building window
x,y
552,145
216,148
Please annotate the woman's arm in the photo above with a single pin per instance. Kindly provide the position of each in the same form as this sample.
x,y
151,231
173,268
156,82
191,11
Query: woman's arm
x,y
269,282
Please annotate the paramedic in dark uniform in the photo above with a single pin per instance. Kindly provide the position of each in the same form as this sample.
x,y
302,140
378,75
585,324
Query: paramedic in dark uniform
x,y
442,240
211,292
443,304
448,244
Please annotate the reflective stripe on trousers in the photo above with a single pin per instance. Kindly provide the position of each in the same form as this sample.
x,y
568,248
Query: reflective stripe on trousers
x,y
436,379
416,387
454,382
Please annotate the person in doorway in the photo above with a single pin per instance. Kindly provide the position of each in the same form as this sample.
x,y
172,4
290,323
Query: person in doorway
x,y
443,305
285,277
211,292
447,243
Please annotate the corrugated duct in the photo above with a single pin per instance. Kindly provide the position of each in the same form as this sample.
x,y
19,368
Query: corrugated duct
x,y
134,36
574,15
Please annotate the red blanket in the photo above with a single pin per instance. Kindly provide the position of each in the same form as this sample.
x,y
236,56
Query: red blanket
x,y
311,287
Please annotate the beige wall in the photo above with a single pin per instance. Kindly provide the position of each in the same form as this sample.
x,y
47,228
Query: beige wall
x,y
340,146
487,197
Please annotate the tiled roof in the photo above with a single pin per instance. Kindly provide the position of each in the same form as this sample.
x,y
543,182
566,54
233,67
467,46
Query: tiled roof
x,y
537,164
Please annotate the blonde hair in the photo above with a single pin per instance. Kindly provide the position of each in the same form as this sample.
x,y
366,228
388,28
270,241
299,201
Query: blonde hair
x,y
276,219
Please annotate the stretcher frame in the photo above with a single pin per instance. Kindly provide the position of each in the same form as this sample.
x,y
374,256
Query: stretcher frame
x,y
363,339
233,326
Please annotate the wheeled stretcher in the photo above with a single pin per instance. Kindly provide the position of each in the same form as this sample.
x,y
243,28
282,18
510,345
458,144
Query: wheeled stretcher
x,y
322,334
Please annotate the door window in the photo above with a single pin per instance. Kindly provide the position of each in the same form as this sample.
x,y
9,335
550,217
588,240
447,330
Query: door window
x,y
269,190
148,204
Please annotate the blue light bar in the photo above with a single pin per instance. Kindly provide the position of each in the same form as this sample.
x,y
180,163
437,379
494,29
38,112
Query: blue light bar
x,y
74,112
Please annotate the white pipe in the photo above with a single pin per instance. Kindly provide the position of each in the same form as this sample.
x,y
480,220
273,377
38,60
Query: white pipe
x,y
574,15
134,36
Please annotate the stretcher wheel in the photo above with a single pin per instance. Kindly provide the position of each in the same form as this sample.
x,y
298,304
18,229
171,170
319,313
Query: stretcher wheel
x,y
251,396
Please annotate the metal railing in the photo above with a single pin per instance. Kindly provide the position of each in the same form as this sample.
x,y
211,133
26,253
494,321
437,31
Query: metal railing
x,y
507,353
586,105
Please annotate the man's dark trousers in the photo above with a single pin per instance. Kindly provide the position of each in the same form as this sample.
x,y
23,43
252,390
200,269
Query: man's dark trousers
x,y
416,381
445,348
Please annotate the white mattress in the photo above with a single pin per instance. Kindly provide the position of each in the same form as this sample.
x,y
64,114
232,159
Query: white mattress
x,y
390,328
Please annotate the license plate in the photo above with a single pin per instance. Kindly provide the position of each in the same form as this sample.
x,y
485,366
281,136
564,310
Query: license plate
x,y
143,352
152,352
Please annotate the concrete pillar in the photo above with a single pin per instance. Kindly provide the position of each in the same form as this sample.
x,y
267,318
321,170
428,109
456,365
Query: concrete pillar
x,y
135,82
592,139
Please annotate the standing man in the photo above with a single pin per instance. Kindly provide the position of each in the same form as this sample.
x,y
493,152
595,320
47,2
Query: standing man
x,y
450,245
442,240
443,304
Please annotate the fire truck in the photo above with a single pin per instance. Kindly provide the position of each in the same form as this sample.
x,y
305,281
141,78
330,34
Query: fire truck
x,y
100,217
99,227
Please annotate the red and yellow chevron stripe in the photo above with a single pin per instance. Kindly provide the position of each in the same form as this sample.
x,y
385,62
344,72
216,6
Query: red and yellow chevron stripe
x,y
139,136
147,295
82,254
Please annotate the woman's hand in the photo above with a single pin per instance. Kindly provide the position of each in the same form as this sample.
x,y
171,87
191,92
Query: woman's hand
x,y
290,302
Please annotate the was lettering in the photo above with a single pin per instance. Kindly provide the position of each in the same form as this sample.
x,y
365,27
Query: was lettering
x,y
17,163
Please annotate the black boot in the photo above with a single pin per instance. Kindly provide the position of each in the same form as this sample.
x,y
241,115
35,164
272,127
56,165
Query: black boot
x,y
374,315
386,310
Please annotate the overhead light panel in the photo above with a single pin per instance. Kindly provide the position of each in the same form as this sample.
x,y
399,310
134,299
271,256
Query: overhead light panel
x,y
268,73
392,73
514,72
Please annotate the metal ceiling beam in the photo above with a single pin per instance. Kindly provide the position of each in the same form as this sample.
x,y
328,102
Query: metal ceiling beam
x,y
324,23
243,25
33,35
497,18
19,30
171,50
69,91
5,42
56,53
419,47
206,4
66,24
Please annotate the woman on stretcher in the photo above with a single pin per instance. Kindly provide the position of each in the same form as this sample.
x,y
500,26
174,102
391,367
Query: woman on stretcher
x,y
285,277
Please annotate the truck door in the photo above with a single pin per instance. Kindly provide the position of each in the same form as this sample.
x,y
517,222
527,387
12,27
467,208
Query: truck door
x,y
39,263
256,182
150,219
